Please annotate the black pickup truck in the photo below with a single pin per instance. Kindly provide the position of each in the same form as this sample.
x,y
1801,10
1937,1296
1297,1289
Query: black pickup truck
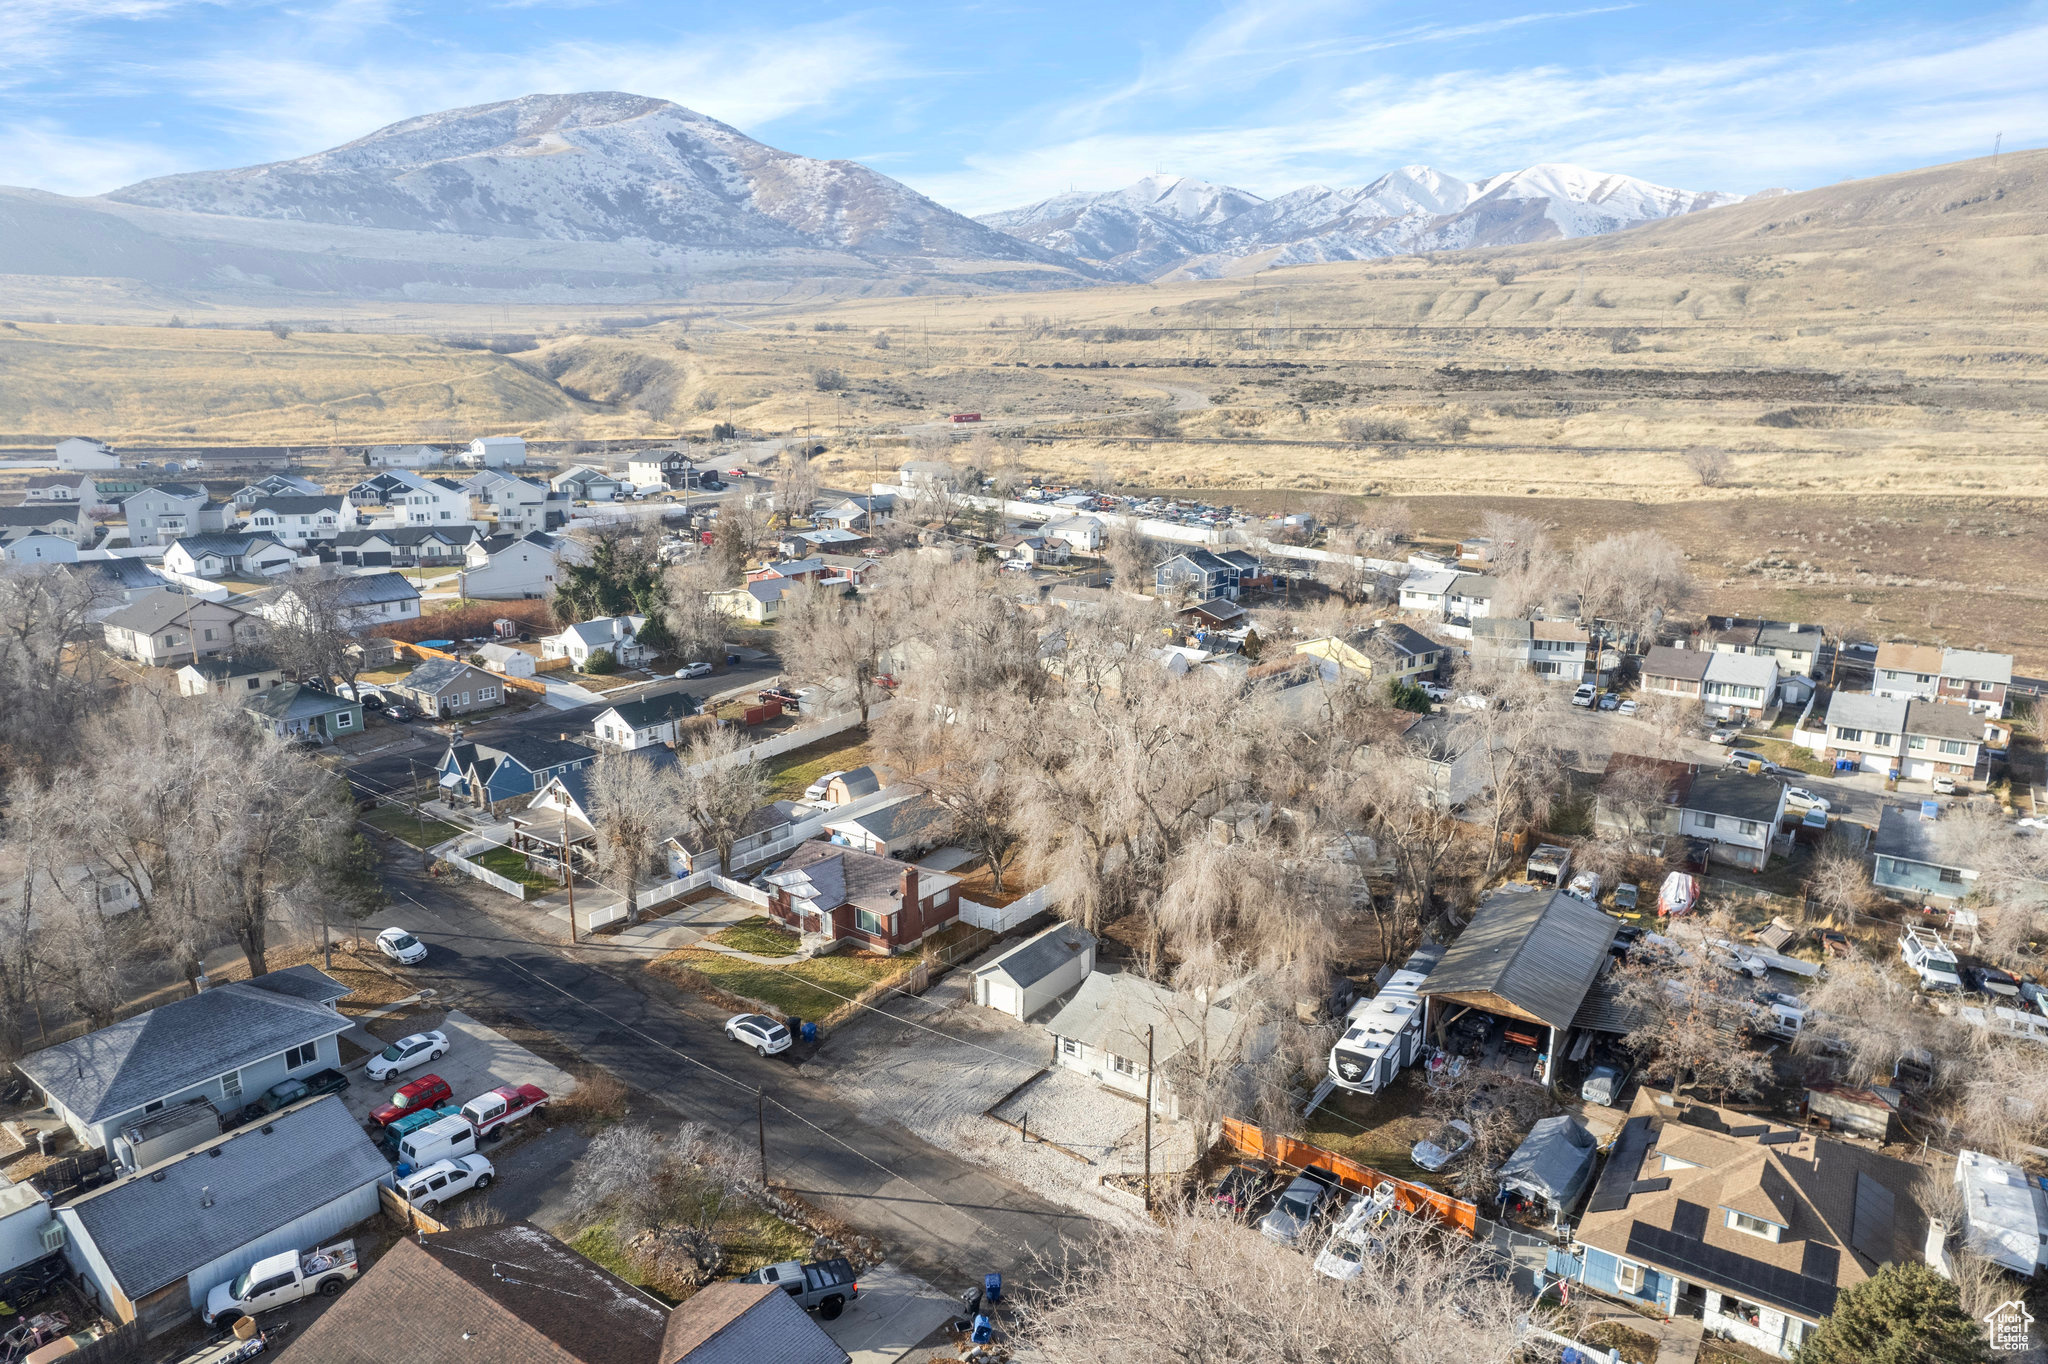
x,y
285,1092
822,1286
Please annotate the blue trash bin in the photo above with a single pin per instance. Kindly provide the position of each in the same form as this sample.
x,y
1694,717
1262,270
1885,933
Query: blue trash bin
x,y
810,1032
992,1287
984,1331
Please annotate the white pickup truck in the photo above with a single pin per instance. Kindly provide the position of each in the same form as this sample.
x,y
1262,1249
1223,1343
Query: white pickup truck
x,y
1931,959
282,1278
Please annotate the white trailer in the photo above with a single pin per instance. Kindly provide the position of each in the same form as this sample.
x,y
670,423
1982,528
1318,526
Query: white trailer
x,y
1381,1036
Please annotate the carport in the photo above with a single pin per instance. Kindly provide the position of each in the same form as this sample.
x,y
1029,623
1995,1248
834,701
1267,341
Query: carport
x,y
1528,957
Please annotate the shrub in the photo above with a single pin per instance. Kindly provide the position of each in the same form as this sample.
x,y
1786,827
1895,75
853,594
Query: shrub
x,y
1408,696
599,1097
601,663
827,380
279,330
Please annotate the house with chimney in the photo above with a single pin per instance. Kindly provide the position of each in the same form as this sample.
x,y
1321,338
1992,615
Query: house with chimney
x,y
832,894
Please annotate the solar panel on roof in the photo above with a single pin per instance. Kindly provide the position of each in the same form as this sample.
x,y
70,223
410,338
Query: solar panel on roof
x,y
1820,1262
1749,1129
1870,1225
1657,1185
1752,1279
1611,1194
1689,1219
1779,1138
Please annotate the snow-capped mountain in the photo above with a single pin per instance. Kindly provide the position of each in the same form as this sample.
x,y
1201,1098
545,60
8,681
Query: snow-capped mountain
x,y
601,194
1171,225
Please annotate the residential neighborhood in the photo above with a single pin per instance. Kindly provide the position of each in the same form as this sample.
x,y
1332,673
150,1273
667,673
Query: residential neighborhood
x,y
683,926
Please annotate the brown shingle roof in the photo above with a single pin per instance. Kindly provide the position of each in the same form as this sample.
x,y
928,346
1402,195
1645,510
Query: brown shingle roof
x,y
1910,658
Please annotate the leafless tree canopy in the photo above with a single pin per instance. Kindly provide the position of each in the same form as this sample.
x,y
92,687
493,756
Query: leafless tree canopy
x,y
1709,464
49,678
633,804
721,786
1694,1028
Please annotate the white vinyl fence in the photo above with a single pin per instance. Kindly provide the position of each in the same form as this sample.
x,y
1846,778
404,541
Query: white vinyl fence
x,y
484,874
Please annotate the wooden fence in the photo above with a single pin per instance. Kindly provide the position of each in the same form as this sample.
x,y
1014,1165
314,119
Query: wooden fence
x,y
420,651
1296,1155
404,1213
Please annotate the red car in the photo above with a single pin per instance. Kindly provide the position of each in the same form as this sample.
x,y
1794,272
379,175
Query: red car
x,y
424,1092
507,1103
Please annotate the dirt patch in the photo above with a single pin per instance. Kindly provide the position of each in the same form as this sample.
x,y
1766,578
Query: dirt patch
x,y
1636,1347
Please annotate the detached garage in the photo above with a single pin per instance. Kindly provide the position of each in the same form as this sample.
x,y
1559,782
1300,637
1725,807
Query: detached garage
x,y
150,1246
1036,972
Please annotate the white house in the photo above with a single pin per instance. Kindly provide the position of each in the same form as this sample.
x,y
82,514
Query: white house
x,y
585,484
160,514
1907,670
507,660
1424,591
518,505
359,602
402,456
36,547
1735,812
496,452
303,521
67,520
1101,1032
757,603
61,488
1083,534
77,452
416,501
275,485
646,722
614,633
1740,686
511,568
1035,973
211,556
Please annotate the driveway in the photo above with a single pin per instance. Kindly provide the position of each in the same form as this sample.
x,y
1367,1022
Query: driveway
x,y
479,1059
895,1310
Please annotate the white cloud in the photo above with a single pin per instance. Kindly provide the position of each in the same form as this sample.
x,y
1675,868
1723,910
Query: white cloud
x,y
42,154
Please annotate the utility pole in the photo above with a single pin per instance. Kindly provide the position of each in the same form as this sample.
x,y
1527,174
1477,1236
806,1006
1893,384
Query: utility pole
x,y
761,1130
568,872
1148,1120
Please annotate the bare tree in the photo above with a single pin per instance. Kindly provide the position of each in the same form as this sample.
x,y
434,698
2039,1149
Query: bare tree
x,y
721,787
1525,562
1693,1029
1383,524
697,629
743,523
1836,882
1520,739
838,640
1709,464
633,801
1130,556
312,631
796,486
50,676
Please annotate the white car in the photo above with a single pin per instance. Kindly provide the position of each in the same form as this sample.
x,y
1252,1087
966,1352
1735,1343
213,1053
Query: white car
x,y
1433,1153
1586,886
1799,798
1474,701
762,1033
428,1189
697,669
1585,695
1944,786
1435,691
1740,961
401,946
407,1053
816,790
1627,708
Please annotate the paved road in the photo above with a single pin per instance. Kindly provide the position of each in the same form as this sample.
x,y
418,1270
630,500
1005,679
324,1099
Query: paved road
x,y
946,1219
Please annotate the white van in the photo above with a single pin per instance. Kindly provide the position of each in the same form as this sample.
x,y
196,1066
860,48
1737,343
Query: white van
x,y
443,1139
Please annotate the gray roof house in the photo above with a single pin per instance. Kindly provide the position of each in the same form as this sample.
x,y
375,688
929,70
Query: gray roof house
x,y
900,827
448,686
1675,672
226,1045
1912,860
1036,972
745,1323
291,710
150,1246
165,628
1101,1032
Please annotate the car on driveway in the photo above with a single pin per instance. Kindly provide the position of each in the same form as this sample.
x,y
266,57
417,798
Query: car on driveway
x,y
1295,1212
1609,701
697,669
401,946
766,1036
1435,691
414,1096
1743,757
1434,1152
428,1189
490,1113
1799,798
407,1053
1242,1189
395,711
1944,786
1627,707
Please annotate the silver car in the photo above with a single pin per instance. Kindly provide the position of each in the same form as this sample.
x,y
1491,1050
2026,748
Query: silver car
x,y
1296,1211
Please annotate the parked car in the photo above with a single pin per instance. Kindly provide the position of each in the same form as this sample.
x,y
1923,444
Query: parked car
x,y
1452,1140
412,1097
1242,1189
428,1189
279,1279
1435,691
1626,896
1944,786
1723,737
490,1113
1799,798
404,1126
697,669
285,1092
407,1053
821,1286
401,946
443,1139
394,711
358,691
1609,701
1989,980
816,790
1474,701
1585,695
1740,960
1743,757
766,1036
1627,707
1585,886
1604,1084
1291,1217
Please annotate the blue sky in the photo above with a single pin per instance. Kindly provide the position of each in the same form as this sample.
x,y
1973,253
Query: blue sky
x,y
989,105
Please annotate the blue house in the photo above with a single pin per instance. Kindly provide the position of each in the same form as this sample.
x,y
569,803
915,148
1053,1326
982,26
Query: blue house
x,y
1910,861
487,775
1205,574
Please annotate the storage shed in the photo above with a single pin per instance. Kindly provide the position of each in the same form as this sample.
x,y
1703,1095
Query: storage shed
x,y
1036,972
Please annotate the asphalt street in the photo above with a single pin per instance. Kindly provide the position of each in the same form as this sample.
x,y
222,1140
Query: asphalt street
x,y
947,1220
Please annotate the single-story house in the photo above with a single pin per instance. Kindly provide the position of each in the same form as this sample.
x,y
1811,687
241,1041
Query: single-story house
x,y
615,634
1908,670
405,546
745,1323
149,1247
1082,534
689,852
226,674
1216,613
1910,859
756,602
858,513
645,721
295,711
1101,1032
447,686
226,1045
1752,1226
586,484
1032,549
490,774
37,547
903,827
116,583
402,456
166,628
455,1295
1676,672
1037,972
356,602
832,894
228,555
1528,958
1385,651
509,660
63,488
795,570
274,485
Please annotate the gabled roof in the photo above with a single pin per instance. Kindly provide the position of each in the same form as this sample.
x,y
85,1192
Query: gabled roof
x,y
860,781
302,982
41,513
125,573
1111,1011
1686,665
409,536
1041,954
1742,670
1479,586
899,819
224,667
505,1294
775,814
1201,559
184,492
438,673
789,568
598,633
1902,657
1503,630
154,611
187,1042
1970,665
1404,639
532,752
294,701
159,1224
1903,834
301,505
1219,609
846,876
1862,710
1430,582
745,1323
1733,793
1538,952
227,543
1566,631
645,711
368,589
1941,720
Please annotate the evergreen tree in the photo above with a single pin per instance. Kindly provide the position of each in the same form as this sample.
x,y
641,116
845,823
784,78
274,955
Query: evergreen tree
x,y
1904,1314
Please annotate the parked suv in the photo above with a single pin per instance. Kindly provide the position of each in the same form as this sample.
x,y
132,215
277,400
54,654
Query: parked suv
x,y
1586,694
822,1286
428,1189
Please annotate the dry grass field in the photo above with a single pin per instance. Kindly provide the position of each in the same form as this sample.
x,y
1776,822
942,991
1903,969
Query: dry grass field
x,y
1868,357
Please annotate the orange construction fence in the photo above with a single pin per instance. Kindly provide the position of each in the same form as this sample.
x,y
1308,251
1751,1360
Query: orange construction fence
x,y
1296,1155
405,647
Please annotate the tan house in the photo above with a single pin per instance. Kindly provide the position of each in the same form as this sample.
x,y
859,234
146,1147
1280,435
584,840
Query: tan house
x,y
1752,1226
167,628
1909,670
1384,651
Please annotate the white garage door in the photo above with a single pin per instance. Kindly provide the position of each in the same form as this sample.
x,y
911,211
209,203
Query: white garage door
x,y
1919,769
1002,996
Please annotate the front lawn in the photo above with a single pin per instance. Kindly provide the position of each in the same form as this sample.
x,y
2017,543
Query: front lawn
x,y
512,866
801,989
1792,756
759,935
403,825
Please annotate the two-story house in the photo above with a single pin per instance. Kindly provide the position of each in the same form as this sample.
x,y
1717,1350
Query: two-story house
x,y
1974,679
1424,590
1796,647
413,500
303,521
377,490
1735,812
1865,732
516,567
1470,597
1085,534
61,488
645,722
1561,651
663,468
1943,740
515,505
487,775
64,520
1912,860
1502,644
164,629
494,452
831,894
1907,670
1912,739
274,485
225,1045
1199,575
1739,686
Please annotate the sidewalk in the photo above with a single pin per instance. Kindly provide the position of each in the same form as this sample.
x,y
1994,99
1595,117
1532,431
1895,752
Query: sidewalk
x,y
649,938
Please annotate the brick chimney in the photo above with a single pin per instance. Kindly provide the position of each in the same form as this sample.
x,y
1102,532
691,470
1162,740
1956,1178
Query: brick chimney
x,y
910,890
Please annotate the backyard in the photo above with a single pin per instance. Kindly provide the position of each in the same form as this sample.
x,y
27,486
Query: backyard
x,y
513,867
789,774
1378,1130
